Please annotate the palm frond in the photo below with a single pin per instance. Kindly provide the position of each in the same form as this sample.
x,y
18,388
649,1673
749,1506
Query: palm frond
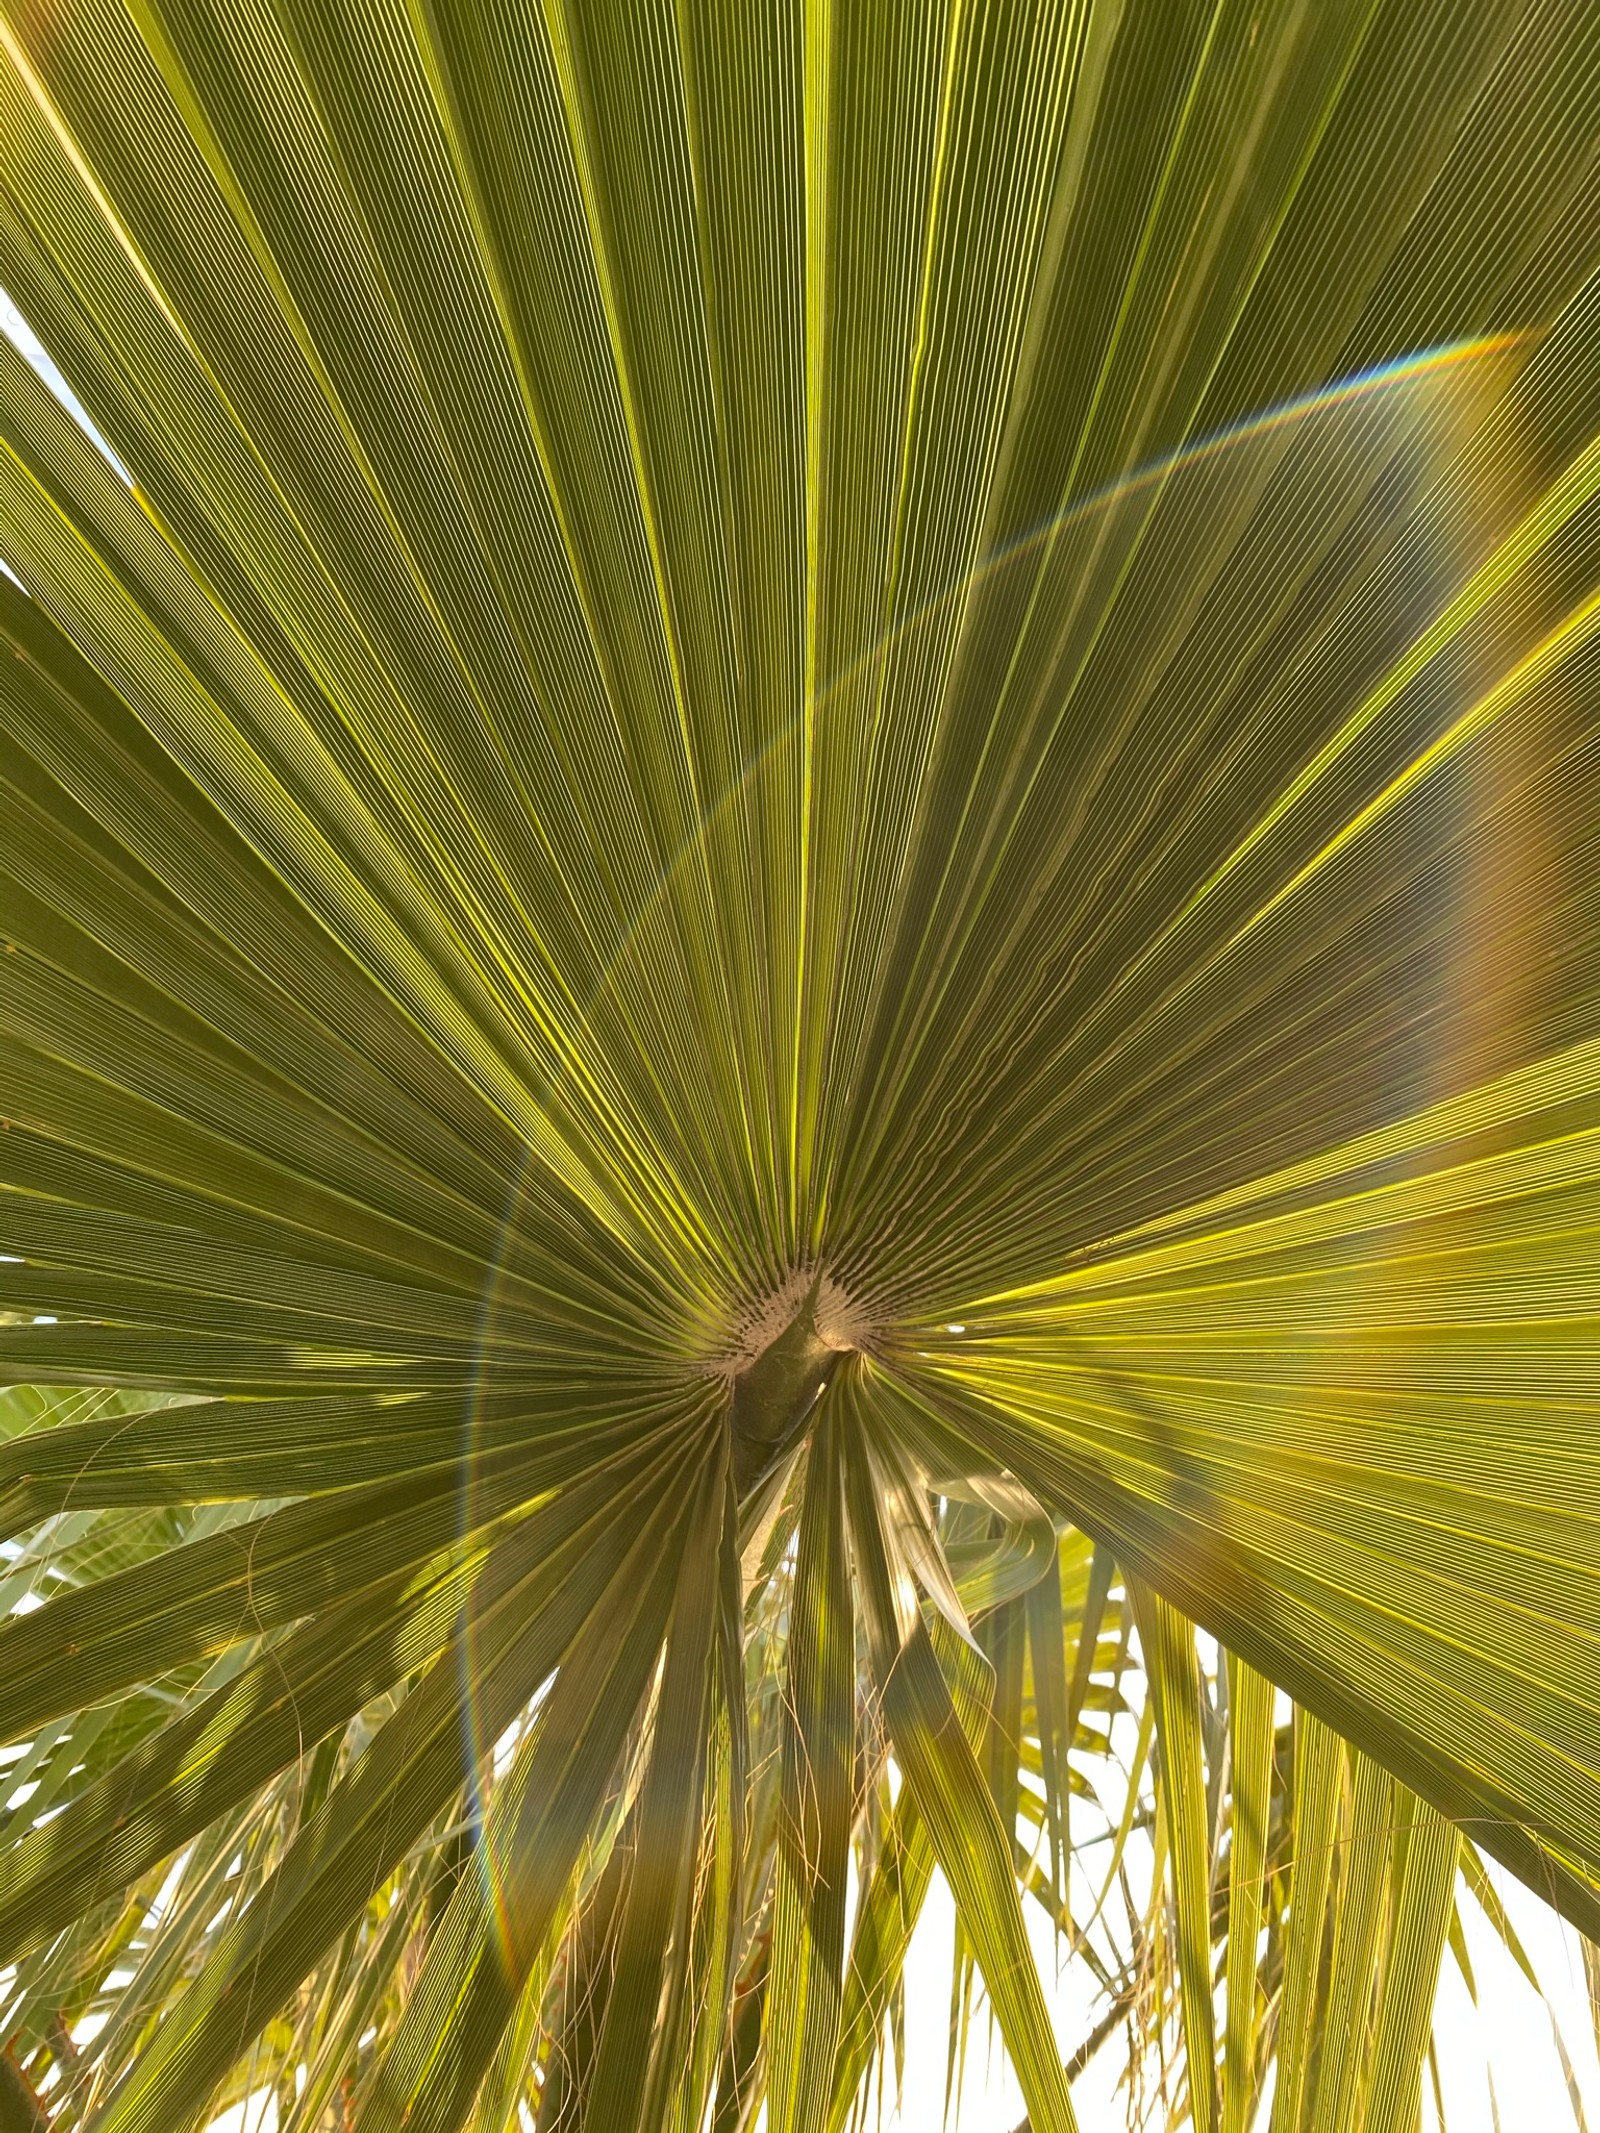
x,y
797,863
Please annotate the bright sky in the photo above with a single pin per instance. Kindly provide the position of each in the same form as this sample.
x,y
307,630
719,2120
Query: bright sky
x,y
27,344
1508,2033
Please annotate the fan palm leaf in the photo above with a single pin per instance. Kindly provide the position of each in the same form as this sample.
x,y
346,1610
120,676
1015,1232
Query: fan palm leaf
x,y
798,863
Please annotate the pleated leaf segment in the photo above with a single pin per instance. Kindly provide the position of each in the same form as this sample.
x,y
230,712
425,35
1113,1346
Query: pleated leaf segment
x,y
800,1053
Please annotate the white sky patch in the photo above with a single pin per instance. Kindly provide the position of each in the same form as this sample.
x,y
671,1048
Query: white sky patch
x,y
166,1894
1506,2034
34,353
257,2114
506,1747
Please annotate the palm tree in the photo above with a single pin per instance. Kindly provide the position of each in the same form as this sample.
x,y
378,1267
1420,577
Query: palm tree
x,y
800,926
